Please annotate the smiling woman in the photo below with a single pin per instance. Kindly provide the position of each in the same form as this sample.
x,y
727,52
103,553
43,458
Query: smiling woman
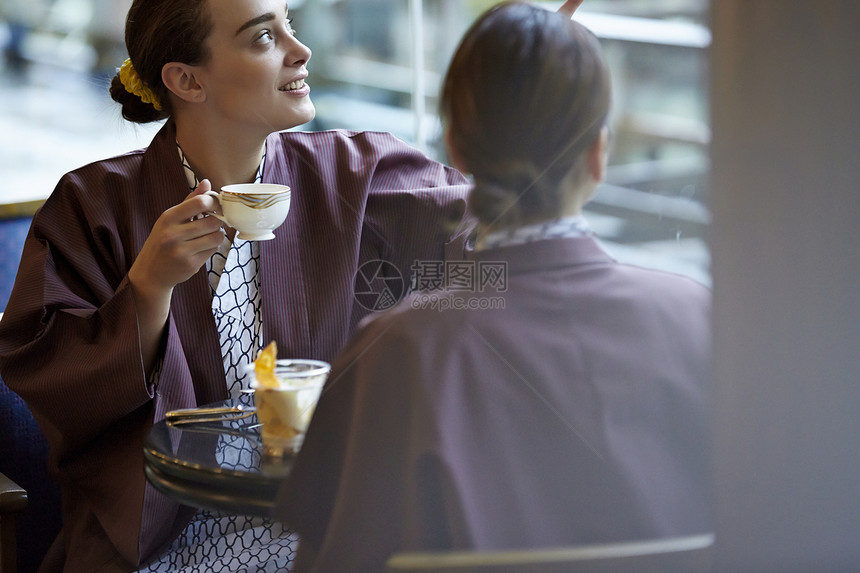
x,y
146,303
242,91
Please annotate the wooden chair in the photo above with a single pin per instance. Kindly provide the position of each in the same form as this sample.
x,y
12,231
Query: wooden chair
x,y
692,554
13,499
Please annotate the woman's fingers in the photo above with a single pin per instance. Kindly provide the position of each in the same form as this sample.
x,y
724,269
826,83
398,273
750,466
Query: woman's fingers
x,y
184,257
569,7
179,244
203,187
195,206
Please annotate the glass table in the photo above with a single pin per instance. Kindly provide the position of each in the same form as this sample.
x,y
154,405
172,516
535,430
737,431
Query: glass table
x,y
215,465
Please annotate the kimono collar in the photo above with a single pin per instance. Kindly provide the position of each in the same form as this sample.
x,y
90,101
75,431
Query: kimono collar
x,y
194,181
573,226
546,254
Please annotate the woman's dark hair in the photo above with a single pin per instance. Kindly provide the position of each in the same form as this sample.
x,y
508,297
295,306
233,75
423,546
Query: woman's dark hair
x,y
527,92
158,32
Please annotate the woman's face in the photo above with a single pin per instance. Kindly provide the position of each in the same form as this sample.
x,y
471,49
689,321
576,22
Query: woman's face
x,y
255,73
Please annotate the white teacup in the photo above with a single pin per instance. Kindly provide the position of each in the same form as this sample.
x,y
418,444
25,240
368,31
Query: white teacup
x,y
255,210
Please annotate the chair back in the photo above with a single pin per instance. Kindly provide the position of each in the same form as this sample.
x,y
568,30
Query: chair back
x,y
24,460
691,554
13,232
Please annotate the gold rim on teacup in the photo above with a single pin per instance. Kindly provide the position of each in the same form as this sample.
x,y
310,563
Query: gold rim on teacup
x,y
256,200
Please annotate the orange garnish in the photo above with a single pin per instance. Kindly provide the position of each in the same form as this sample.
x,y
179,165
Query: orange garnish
x,y
264,366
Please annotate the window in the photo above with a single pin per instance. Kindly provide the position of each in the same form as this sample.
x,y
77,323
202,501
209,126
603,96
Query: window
x,y
651,210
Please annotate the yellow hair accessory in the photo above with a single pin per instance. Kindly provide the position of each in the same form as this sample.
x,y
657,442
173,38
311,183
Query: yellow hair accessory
x,y
136,86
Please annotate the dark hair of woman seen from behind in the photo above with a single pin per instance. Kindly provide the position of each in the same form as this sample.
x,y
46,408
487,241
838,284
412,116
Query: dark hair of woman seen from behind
x,y
521,108
163,31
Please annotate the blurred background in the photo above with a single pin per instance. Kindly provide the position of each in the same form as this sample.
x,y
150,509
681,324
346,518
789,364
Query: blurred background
x,y
56,114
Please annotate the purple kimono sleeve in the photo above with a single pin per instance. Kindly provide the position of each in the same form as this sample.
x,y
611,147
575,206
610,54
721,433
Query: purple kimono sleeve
x,y
69,345
348,495
69,341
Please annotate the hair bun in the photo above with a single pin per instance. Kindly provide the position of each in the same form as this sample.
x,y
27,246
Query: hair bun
x,y
133,108
511,192
494,203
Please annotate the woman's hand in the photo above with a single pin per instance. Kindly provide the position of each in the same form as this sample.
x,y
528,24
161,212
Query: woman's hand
x,y
181,241
569,7
178,245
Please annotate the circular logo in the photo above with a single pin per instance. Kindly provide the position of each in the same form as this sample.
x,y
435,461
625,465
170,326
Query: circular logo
x,y
378,285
